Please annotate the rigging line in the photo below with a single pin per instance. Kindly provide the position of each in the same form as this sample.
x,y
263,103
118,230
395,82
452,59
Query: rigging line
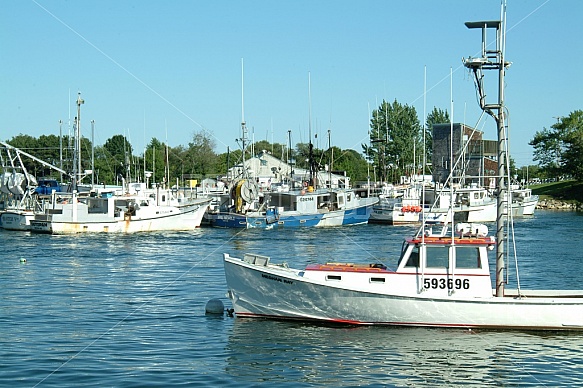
x,y
130,314
122,67
512,239
509,29
527,16
364,248
457,68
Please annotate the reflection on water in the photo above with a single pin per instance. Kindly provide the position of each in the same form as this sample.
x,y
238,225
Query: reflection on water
x,y
288,353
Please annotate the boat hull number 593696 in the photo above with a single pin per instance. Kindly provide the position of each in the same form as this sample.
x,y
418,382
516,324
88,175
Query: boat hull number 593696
x,y
443,283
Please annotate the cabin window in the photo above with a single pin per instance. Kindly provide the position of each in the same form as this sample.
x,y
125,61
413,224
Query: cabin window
x,y
437,257
413,258
468,257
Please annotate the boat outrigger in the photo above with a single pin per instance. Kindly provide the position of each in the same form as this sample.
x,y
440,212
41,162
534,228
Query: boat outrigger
x,y
442,279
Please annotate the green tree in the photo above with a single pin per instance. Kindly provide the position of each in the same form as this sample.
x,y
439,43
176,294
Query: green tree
x,y
527,173
29,145
48,149
177,168
104,169
395,139
119,151
547,150
276,149
25,143
352,162
302,155
156,160
201,154
227,160
572,157
559,150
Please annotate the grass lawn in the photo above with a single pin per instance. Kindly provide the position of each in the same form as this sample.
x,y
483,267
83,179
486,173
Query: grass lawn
x,y
564,190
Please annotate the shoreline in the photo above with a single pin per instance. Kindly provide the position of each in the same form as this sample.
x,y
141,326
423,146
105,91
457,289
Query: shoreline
x,y
554,204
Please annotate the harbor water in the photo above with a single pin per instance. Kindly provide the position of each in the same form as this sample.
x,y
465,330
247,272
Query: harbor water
x,y
129,311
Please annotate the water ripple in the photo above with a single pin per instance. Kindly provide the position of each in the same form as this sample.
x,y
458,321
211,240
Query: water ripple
x,y
129,311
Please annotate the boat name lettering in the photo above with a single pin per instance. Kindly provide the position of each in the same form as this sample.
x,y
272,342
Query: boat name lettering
x,y
443,283
277,279
306,199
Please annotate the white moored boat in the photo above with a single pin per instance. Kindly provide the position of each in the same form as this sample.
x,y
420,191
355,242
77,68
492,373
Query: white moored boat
x,y
429,288
442,280
132,212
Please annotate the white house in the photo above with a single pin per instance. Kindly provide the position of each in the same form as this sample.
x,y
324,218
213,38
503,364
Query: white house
x,y
266,169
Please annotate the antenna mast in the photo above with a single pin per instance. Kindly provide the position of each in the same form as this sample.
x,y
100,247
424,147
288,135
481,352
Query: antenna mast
x,y
313,179
243,125
494,60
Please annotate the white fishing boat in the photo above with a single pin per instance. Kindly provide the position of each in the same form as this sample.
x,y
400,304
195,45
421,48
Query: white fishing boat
x,y
523,200
428,288
470,204
16,219
16,191
130,212
442,279
18,207
397,206
21,191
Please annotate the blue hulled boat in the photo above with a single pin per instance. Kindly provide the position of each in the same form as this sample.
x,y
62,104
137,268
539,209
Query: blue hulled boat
x,y
296,208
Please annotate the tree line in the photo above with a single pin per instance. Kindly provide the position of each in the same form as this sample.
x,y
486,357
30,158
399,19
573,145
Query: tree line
x,y
117,159
398,145
559,149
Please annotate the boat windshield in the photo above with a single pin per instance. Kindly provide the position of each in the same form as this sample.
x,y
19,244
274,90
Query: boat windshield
x,y
468,258
438,257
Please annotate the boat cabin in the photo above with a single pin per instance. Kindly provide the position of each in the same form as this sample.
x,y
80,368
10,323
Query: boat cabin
x,y
430,266
443,264
472,196
306,202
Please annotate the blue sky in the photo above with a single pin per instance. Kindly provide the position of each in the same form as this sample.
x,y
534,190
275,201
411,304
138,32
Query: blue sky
x,y
168,69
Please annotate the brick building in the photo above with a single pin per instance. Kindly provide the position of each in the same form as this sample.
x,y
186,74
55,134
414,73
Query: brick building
x,y
474,159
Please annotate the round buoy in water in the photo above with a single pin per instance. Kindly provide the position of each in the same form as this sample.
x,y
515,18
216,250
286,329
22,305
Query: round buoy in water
x,y
23,260
215,306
